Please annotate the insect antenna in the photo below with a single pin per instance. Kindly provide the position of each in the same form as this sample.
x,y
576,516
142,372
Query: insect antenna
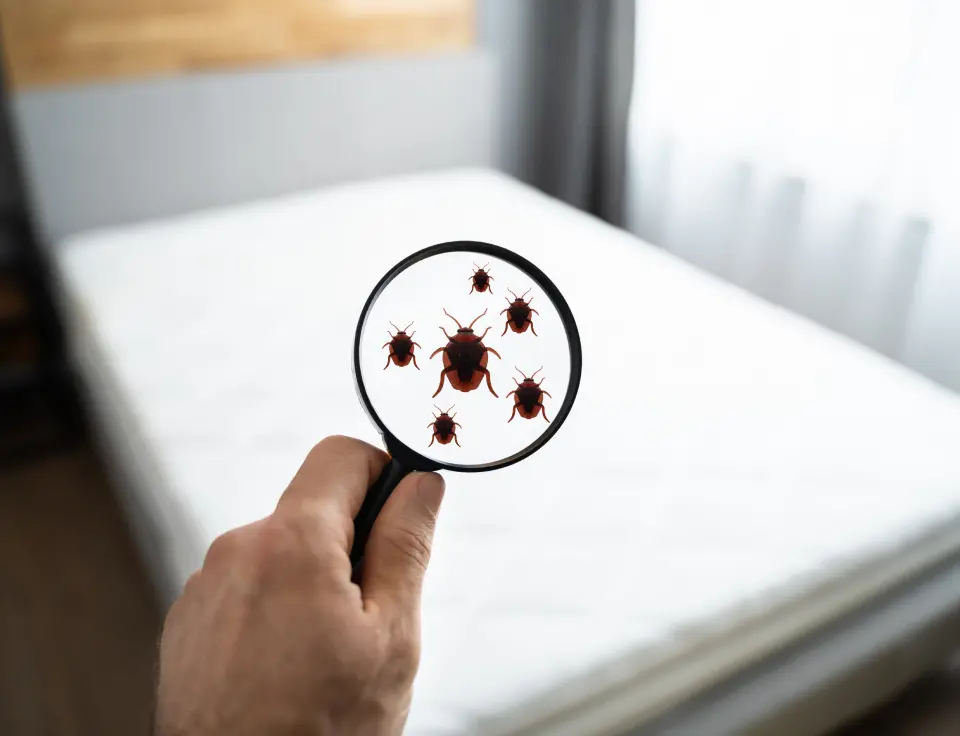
x,y
438,408
454,318
487,266
520,372
536,372
395,327
448,410
475,321
511,291
408,327
526,292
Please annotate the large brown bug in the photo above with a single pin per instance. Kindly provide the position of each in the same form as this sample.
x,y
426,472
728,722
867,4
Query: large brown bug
x,y
481,279
465,358
528,397
518,314
401,347
444,428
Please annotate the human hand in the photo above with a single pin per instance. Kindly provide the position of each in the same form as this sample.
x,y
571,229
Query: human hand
x,y
271,637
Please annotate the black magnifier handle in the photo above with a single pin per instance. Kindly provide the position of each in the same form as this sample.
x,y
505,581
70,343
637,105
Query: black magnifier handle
x,y
376,497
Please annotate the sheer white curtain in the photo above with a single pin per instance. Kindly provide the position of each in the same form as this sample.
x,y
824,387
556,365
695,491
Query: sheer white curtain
x,y
809,151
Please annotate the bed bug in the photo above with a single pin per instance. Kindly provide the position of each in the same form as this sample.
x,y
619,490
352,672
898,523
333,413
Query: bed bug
x,y
518,314
528,397
444,427
401,347
465,358
481,279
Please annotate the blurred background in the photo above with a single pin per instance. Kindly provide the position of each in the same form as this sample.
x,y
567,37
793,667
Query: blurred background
x,y
806,152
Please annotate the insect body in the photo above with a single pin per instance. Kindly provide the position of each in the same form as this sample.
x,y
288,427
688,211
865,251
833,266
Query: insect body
x,y
518,314
528,398
401,348
465,358
444,428
481,279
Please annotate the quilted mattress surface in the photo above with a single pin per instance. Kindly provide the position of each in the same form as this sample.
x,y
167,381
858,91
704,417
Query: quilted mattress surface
x,y
724,456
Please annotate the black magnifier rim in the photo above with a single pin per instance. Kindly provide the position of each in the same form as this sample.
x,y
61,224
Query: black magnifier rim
x,y
414,458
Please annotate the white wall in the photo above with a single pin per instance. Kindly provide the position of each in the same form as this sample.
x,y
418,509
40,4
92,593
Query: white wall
x,y
505,29
99,155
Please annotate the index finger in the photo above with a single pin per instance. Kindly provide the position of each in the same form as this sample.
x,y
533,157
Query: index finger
x,y
336,473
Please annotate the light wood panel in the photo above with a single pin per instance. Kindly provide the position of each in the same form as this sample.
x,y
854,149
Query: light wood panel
x,y
68,41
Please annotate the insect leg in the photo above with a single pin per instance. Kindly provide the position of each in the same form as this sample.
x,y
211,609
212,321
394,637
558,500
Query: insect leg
x,y
512,392
543,410
385,344
472,288
532,329
457,441
458,424
491,350
417,344
432,439
489,384
414,361
545,393
505,326
388,361
438,350
535,312
443,374
445,335
513,413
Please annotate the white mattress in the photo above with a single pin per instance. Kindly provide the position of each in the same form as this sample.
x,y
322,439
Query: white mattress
x,y
730,477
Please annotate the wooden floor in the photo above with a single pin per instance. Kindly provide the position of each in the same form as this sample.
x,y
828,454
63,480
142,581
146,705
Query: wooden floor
x,y
78,624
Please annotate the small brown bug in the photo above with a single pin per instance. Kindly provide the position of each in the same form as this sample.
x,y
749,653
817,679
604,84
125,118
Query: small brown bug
x,y
518,314
444,427
528,397
465,358
481,279
401,347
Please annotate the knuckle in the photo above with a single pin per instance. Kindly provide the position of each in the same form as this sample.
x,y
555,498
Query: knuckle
x,y
223,547
336,443
190,587
404,655
413,542
294,544
358,658
318,527
276,543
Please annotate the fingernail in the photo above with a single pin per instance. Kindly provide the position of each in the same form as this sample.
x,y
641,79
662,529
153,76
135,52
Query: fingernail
x,y
431,487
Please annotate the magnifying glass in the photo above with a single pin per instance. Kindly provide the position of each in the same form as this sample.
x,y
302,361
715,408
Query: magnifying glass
x,y
467,358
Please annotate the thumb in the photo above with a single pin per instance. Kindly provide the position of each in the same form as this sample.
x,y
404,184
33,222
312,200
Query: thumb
x,y
398,550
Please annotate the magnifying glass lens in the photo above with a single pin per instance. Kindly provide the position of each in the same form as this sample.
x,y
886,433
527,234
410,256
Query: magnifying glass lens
x,y
465,359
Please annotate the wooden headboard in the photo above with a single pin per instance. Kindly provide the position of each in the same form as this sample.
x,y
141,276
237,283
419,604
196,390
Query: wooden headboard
x,y
55,42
